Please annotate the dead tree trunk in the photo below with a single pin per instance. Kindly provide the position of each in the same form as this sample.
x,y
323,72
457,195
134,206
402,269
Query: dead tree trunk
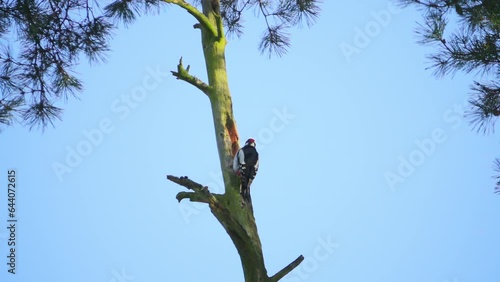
x,y
237,219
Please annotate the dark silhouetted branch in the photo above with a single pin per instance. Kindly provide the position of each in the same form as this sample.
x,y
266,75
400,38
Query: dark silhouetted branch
x,y
287,269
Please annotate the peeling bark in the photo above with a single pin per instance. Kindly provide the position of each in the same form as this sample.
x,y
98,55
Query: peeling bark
x,y
233,135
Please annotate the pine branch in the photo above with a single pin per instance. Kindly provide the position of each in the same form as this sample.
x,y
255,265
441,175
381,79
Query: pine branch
x,y
202,19
496,167
183,74
485,107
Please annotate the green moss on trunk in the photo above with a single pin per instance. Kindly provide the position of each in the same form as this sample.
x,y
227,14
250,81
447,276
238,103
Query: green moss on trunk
x,y
235,215
226,133
238,221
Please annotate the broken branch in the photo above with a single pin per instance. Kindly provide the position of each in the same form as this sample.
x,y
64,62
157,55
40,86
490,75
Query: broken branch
x,y
188,183
201,193
183,74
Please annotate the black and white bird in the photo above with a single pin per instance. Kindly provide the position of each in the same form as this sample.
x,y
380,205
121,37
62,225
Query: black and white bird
x,y
246,165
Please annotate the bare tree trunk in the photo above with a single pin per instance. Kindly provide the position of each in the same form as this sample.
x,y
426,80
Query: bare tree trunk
x,y
236,217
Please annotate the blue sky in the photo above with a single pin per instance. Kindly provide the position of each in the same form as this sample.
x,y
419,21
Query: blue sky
x,y
368,167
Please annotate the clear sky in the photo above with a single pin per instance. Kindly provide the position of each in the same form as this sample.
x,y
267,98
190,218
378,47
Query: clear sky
x,y
368,167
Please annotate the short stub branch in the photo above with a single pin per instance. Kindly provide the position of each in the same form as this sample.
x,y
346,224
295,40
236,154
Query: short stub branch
x,y
287,269
183,74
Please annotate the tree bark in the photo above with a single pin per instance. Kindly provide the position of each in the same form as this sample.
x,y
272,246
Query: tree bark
x,y
234,214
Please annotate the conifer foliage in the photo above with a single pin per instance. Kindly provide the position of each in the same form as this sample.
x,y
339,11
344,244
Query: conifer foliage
x,y
41,41
473,46
51,35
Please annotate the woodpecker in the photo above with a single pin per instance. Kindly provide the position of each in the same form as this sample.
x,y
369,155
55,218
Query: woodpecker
x,y
246,165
